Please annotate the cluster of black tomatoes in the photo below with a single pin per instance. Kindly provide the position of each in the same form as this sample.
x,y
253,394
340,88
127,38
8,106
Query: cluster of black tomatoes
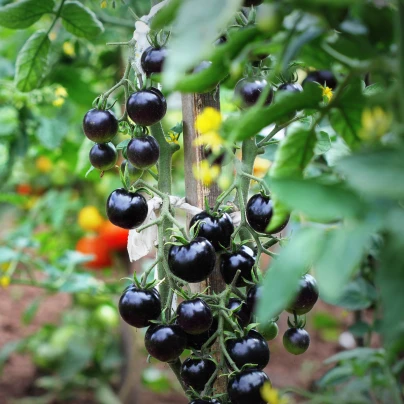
x,y
195,323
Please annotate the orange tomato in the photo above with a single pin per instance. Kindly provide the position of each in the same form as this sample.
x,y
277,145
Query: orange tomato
x,y
24,189
115,237
95,246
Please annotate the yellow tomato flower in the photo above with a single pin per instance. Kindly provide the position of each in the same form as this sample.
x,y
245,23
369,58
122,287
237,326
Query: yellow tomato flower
x,y
327,92
90,218
375,123
211,139
104,4
206,173
58,102
43,164
173,138
4,281
68,49
261,167
209,120
60,91
271,395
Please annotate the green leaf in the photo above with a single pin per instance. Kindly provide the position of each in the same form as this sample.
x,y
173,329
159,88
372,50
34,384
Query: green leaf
x,y
190,42
255,119
123,144
280,215
294,153
357,353
282,279
378,173
341,252
30,311
105,395
77,357
357,295
32,62
318,201
346,118
24,13
80,20
165,15
335,376
7,254
51,132
323,144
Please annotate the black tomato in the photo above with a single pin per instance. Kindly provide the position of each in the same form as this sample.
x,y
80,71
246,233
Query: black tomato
x,y
252,348
126,209
196,341
248,91
249,3
196,372
216,229
194,316
139,306
200,401
248,250
100,126
232,262
165,342
253,295
103,156
192,262
259,213
269,330
243,314
296,340
322,77
306,297
245,387
146,107
152,60
291,87
143,152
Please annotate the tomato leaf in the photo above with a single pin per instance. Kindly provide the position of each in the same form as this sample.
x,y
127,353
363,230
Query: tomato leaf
x,y
189,43
80,20
280,215
294,153
32,62
24,13
346,118
256,118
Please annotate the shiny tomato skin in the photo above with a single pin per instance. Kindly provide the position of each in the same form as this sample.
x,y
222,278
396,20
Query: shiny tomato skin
x,y
194,316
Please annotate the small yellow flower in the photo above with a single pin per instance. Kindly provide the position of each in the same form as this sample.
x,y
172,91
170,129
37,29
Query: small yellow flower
x,y
211,139
261,167
43,164
173,137
104,4
327,92
60,91
58,102
209,120
68,49
4,281
375,123
206,173
271,395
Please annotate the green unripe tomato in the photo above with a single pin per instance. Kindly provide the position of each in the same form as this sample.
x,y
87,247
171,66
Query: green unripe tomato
x,y
106,316
269,330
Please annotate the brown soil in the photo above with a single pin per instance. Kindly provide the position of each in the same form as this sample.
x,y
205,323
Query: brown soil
x,y
19,373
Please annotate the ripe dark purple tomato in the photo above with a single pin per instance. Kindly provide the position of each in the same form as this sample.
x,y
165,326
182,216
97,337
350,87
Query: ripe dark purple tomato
x,y
217,229
100,126
253,295
103,156
245,387
307,296
165,342
143,152
251,348
232,262
248,91
243,314
196,372
126,209
152,60
259,213
296,340
291,87
194,316
139,306
322,77
146,107
196,341
192,262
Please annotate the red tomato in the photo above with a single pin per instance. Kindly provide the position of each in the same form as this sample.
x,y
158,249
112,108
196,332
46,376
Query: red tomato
x,y
95,246
24,189
115,237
